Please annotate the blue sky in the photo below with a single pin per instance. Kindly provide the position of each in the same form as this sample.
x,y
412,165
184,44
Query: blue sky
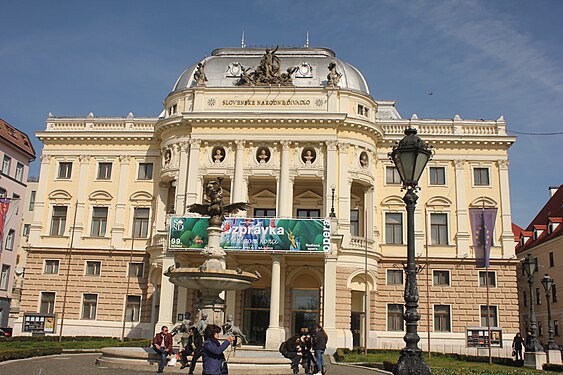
x,y
480,59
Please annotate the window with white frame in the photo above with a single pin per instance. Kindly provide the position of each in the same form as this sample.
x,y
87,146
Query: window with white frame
x,y
355,222
441,278
492,316
47,303
394,277
58,221
104,171
308,213
481,176
32,200
99,221
439,229
264,212
133,309
141,222
393,228
89,306
10,238
5,277
392,175
26,229
93,268
51,266
136,269
145,171
395,317
437,175
492,280
442,318
6,165
19,172
65,170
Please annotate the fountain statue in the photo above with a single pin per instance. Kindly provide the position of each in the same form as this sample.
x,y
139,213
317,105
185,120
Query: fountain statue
x,y
212,277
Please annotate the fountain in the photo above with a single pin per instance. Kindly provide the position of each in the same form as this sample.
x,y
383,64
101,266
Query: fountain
x,y
212,277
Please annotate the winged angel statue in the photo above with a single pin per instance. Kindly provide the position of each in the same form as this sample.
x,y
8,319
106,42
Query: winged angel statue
x,y
214,208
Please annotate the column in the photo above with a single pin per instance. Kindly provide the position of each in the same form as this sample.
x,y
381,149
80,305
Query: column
x,y
507,237
238,180
368,207
166,296
193,172
180,203
275,334
160,207
118,229
461,209
329,308
38,225
81,198
284,198
331,169
343,190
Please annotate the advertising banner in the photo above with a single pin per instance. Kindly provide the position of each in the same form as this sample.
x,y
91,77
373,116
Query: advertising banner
x,y
258,234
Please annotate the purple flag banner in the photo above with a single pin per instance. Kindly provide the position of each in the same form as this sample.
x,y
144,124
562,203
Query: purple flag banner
x,y
482,227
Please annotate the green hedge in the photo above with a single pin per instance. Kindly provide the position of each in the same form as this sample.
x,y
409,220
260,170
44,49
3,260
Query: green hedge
x,y
473,371
553,367
65,338
26,353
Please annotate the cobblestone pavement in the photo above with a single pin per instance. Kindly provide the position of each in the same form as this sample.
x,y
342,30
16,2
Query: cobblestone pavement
x,y
85,364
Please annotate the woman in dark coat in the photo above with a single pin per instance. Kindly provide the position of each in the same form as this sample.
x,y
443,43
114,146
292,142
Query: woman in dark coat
x,y
517,345
212,353
319,345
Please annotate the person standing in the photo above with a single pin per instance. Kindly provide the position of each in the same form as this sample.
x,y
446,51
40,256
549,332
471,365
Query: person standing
x,y
193,348
517,346
214,362
162,345
319,346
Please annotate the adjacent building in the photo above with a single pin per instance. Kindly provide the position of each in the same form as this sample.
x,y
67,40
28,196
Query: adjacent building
x,y
542,239
16,152
296,133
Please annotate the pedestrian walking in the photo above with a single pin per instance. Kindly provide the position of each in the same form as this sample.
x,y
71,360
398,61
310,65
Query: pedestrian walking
x,y
214,362
319,346
517,344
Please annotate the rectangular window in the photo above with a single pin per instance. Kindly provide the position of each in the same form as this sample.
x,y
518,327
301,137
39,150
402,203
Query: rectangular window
x,y
553,293
556,327
392,175
145,171
5,277
540,328
19,172
437,176
26,229
65,170
492,316
141,222
393,228
47,305
441,278
89,304
524,298
32,200
308,213
93,268
481,176
10,237
136,269
483,278
551,259
58,221
133,309
355,222
51,266
99,221
442,318
395,317
439,229
538,296
264,212
394,277
104,171
6,165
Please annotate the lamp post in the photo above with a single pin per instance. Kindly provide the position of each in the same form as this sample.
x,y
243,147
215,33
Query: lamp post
x,y
332,213
547,283
530,267
410,157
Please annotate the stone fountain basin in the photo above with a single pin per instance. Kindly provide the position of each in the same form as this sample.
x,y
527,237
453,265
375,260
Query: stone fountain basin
x,y
215,280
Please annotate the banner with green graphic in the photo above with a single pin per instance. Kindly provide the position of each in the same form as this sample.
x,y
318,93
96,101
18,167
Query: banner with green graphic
x,y
259,234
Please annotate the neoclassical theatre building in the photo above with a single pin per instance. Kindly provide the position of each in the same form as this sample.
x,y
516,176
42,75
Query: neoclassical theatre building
x,y
296,133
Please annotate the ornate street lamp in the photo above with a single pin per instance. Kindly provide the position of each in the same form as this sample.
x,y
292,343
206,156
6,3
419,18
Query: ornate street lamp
x,y
410,157
332,213
530,267
547,283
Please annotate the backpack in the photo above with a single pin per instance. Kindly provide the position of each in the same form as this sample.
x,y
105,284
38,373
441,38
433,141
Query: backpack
x,y
283,349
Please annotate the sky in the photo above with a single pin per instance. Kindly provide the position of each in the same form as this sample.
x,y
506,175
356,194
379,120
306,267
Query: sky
x,y
479,59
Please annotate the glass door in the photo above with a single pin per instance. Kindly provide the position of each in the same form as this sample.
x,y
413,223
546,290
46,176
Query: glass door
x,y
256,315
305,309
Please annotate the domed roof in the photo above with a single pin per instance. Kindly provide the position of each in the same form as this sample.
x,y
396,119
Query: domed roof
x,y
224,67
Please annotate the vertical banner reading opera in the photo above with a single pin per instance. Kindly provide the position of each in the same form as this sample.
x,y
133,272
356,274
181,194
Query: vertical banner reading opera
x,y
267,234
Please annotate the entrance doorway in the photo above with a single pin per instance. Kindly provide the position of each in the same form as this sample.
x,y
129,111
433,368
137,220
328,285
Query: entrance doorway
x,y
256,315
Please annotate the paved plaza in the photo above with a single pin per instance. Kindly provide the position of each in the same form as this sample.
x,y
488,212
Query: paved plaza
x,y
85,364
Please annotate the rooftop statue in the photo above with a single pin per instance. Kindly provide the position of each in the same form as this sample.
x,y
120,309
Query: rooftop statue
x,y
333,77
267,72
199,75
214,206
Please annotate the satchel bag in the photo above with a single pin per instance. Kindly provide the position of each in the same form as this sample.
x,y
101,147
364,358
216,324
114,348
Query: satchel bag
x,y
514,353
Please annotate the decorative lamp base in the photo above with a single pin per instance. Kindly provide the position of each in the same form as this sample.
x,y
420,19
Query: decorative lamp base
x,y
411,362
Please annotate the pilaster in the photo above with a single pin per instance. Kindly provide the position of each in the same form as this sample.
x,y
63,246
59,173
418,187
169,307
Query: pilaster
x,y
284,208
344,185
238,180
193,172
118,229
507,237
462,236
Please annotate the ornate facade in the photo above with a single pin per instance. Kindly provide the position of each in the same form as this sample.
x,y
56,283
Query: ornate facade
x,y
296,133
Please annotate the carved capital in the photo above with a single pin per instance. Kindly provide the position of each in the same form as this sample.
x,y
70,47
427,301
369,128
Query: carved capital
x,y
241,143
195,143
459,164
331,145
45,158
503,164
184,146
124,159
285,144
84,158
343,147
